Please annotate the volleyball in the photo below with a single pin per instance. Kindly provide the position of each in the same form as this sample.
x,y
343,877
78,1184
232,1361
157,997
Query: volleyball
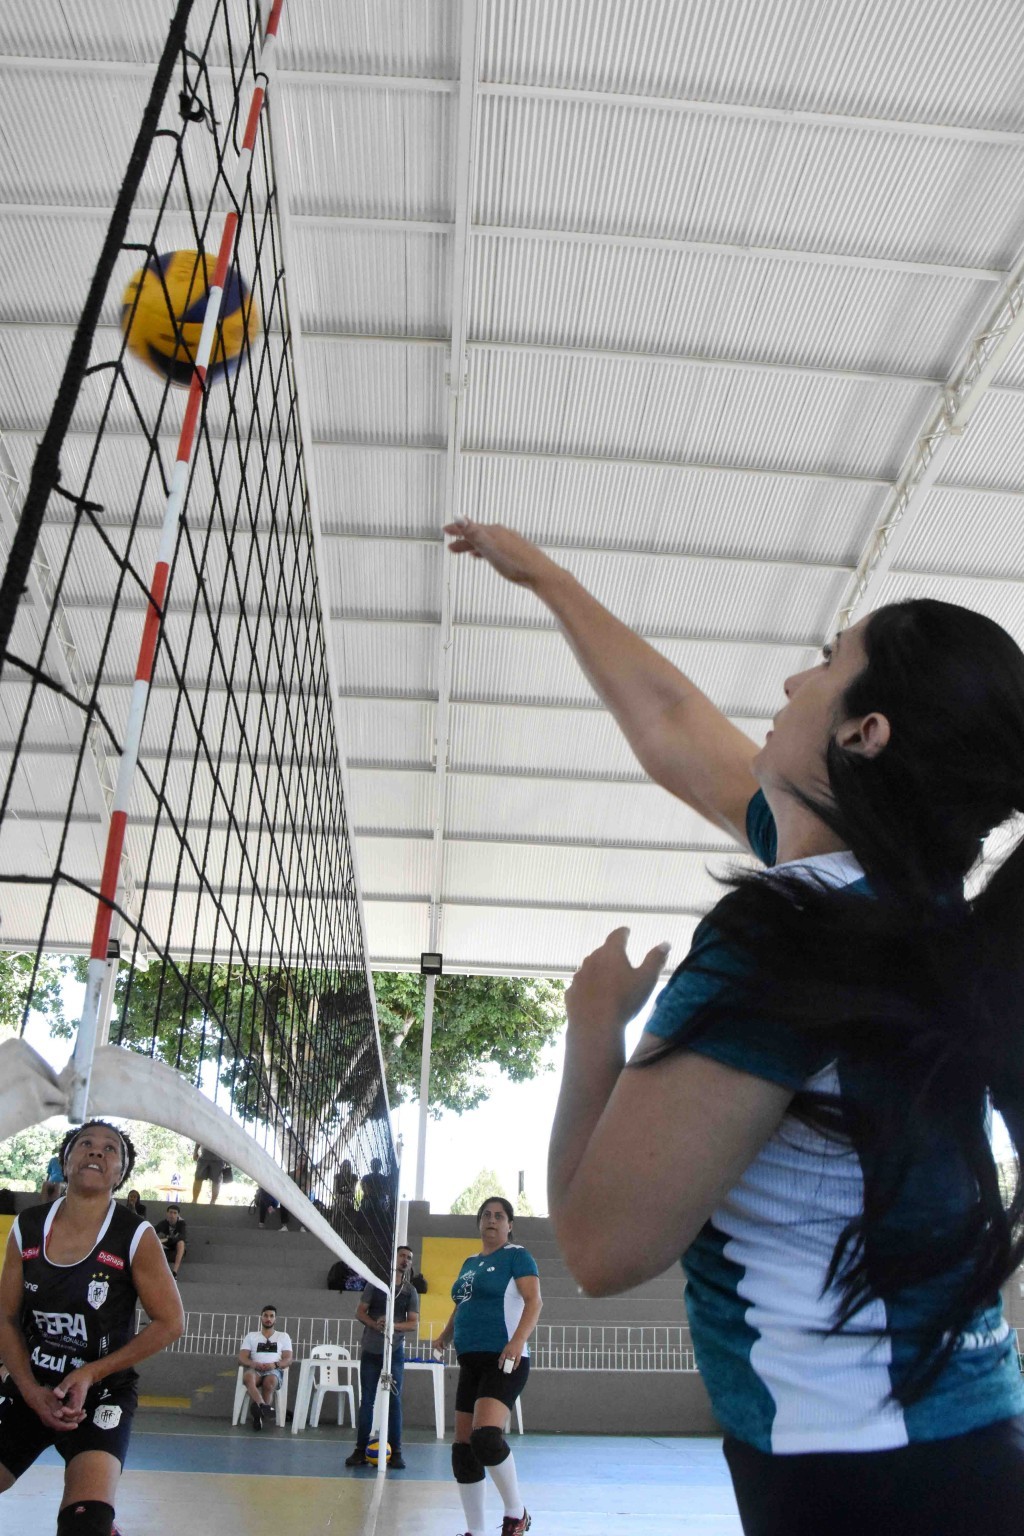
x,y
373,1450
163,310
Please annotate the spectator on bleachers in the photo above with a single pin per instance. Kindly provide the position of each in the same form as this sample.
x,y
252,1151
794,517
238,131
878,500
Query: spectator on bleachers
x,y
171,1232
265,1203
53,1183
301,1176
134,1203
264,1356
209,1165
346,1183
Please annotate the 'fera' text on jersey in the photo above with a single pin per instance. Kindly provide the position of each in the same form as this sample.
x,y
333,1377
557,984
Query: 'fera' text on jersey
x,y
74,1313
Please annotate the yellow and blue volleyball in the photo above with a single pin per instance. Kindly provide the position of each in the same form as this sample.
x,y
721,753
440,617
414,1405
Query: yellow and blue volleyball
x,y
163,311
373,1451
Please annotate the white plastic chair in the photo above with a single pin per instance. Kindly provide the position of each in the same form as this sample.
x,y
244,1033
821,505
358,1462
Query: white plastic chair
x,y
242,1398
333,1368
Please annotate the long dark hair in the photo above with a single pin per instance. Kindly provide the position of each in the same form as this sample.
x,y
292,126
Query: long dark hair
x,y
922,981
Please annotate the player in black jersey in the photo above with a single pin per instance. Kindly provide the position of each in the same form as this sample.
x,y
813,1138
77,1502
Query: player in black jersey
x,y
72,1276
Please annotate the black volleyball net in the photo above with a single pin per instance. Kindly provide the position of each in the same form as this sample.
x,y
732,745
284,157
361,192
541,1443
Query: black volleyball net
x,y
172,797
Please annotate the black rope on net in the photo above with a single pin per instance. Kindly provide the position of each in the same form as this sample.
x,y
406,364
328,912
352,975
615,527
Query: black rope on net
x,y
251,918
46,465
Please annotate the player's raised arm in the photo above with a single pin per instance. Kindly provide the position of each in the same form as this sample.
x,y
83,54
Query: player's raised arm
x,y
682,740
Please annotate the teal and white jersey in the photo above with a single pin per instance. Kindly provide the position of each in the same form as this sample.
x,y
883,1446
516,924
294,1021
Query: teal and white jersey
x,y
487,1299
756,1298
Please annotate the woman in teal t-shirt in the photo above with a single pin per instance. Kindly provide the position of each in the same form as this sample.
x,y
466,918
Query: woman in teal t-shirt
x,y
497,1304
807,1118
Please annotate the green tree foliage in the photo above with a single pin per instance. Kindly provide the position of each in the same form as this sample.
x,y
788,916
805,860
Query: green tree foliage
x,y
23,1158
16,982
504,1021
259,1032
281,1041
473,1196
484,1186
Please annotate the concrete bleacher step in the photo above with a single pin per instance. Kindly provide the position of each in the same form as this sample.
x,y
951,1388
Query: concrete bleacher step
x,y
251,1296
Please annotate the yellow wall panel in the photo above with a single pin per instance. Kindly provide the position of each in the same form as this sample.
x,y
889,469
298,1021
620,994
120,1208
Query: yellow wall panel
x,y
440,1262
6,1223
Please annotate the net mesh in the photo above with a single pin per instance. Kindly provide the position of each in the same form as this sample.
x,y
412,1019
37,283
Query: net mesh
x,y
236,916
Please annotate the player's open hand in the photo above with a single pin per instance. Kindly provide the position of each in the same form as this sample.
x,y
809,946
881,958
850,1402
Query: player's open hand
x,y
606,990
511,555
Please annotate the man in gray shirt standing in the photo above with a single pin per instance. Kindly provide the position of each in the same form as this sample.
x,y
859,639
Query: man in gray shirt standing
x,y
372,1313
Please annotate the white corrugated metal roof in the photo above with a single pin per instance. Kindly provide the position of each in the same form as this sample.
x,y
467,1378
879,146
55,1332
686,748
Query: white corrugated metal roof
x,y
719,262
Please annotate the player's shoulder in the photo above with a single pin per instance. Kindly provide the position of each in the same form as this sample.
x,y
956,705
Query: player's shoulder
x,y
518,1251
521,1260
125,1223
28,1225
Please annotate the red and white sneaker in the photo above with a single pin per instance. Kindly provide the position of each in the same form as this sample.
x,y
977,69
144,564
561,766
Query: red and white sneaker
x,y
515,1525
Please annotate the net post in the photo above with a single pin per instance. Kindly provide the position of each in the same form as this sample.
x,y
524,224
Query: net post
x,y
421,1136
389,1327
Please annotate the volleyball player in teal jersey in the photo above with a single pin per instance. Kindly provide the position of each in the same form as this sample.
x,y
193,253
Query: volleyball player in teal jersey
x,y
809,1110
497,1304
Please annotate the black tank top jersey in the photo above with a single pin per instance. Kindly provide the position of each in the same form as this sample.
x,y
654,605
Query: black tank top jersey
x,y
73,1313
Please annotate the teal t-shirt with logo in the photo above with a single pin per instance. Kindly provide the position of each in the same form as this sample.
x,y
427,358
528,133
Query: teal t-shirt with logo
x,y
487,1300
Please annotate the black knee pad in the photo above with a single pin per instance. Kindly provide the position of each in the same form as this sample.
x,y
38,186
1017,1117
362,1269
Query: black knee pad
x,y
86,1517
489,1445
465,1463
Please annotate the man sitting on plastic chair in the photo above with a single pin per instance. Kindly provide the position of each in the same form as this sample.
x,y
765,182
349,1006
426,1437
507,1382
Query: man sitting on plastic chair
x,y
264,1356
371,1312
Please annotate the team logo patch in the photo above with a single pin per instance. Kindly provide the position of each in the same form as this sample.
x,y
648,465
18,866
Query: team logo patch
x,y
30,1253
97,1292
110,1259
107,1416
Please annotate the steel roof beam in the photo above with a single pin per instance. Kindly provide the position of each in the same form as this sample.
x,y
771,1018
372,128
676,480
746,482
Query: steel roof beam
x,y
753,252
576,353
456,382
588,237
407,835
949,418
675,105
749,112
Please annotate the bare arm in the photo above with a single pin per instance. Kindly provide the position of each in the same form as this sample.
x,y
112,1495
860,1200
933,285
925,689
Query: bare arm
x,y
363,1316
161,1303
680,1132
528,1287
444,1338
285,1360
683,741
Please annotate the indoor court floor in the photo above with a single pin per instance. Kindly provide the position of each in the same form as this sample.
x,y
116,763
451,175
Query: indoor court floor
x,y
199,1477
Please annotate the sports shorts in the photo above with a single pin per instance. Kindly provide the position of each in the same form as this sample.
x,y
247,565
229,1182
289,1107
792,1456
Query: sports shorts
x,y
964,1486
273,1373
480,1375
211,1168
107,1426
